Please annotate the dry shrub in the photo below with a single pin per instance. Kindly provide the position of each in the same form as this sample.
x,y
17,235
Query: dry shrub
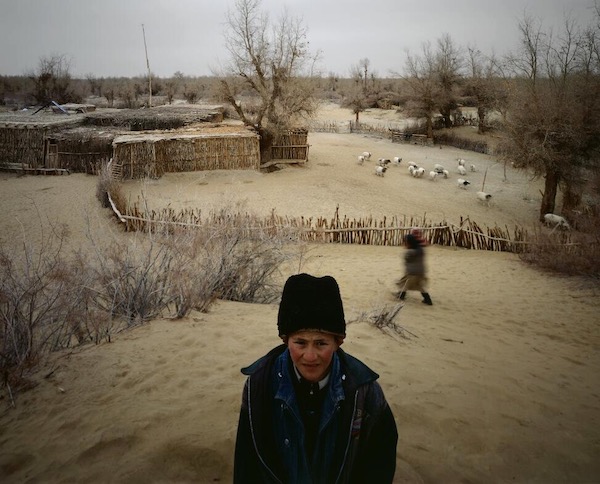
x,y
574,253
235,259
106,185
40,304
132,280
452,139
384,319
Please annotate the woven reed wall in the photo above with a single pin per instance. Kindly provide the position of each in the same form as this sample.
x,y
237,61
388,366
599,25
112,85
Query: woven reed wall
x,y
291,146
23,144
154,157
83,155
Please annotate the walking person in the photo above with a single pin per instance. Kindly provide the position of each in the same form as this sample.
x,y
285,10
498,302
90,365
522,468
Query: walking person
x,y
415,276
312,413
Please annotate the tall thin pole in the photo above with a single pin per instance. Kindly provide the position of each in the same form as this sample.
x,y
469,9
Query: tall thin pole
x,y
148,65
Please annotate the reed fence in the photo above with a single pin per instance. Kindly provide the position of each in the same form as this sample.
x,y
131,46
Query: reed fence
x,y
292,145
338,229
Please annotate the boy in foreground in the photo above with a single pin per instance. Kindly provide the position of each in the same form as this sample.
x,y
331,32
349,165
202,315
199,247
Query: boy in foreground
x,y
312,413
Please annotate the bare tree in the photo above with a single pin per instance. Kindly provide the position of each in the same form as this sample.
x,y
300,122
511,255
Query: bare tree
x,y
52,80
553,125
432,78
483,84
263,81
420,78
448,65
363,66
356,95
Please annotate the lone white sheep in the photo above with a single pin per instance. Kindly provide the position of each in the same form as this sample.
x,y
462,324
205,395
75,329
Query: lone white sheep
x,y
361,159
462,183
472,167
367,155
462,170
554,220
484,197
380,170
396,160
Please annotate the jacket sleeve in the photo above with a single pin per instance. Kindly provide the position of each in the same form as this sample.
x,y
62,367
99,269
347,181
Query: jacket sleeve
x,y
246,467
376,460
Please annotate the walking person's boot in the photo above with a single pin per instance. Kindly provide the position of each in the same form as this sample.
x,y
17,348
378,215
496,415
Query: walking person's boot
x,y
427,299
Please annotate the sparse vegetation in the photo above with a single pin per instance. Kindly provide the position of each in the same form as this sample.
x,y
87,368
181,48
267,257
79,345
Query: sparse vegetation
x,y
51,300
575,253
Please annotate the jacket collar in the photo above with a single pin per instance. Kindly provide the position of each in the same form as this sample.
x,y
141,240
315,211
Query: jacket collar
x,y
355,372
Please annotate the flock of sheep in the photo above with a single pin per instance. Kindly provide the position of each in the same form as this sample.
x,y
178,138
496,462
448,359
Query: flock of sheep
x,y
416,171
439,171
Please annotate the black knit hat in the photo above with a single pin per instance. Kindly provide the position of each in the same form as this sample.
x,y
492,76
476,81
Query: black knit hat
x,y
310,302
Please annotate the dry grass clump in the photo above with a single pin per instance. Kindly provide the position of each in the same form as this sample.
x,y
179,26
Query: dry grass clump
x,y
575,253
452,139
384,318
106,185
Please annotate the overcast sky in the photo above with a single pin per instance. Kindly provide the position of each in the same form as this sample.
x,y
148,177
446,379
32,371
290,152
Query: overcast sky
x,y
104,37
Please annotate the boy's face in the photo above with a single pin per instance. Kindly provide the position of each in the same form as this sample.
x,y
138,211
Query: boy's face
x,y
312,352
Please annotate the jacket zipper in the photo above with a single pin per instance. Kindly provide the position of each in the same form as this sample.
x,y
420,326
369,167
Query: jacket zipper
x,y
254,438
349,437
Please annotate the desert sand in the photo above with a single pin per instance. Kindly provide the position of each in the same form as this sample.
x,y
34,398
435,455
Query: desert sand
x,y
497,382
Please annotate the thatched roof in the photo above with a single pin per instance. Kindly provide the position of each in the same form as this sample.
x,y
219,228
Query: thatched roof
x,y
198,131
160,117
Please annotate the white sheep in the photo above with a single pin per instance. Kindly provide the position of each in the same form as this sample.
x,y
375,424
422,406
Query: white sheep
x,y
438,168
433,175
361,159
462,183
383,161
551,219
380,170
418,172
446,173
396,160
461,162
367,155
462,170
472,167
484,197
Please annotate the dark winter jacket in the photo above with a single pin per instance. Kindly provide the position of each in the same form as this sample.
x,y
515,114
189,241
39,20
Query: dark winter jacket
x,y
415,262
357,434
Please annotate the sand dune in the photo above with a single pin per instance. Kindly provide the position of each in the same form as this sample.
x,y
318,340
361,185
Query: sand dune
x,y
498,381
